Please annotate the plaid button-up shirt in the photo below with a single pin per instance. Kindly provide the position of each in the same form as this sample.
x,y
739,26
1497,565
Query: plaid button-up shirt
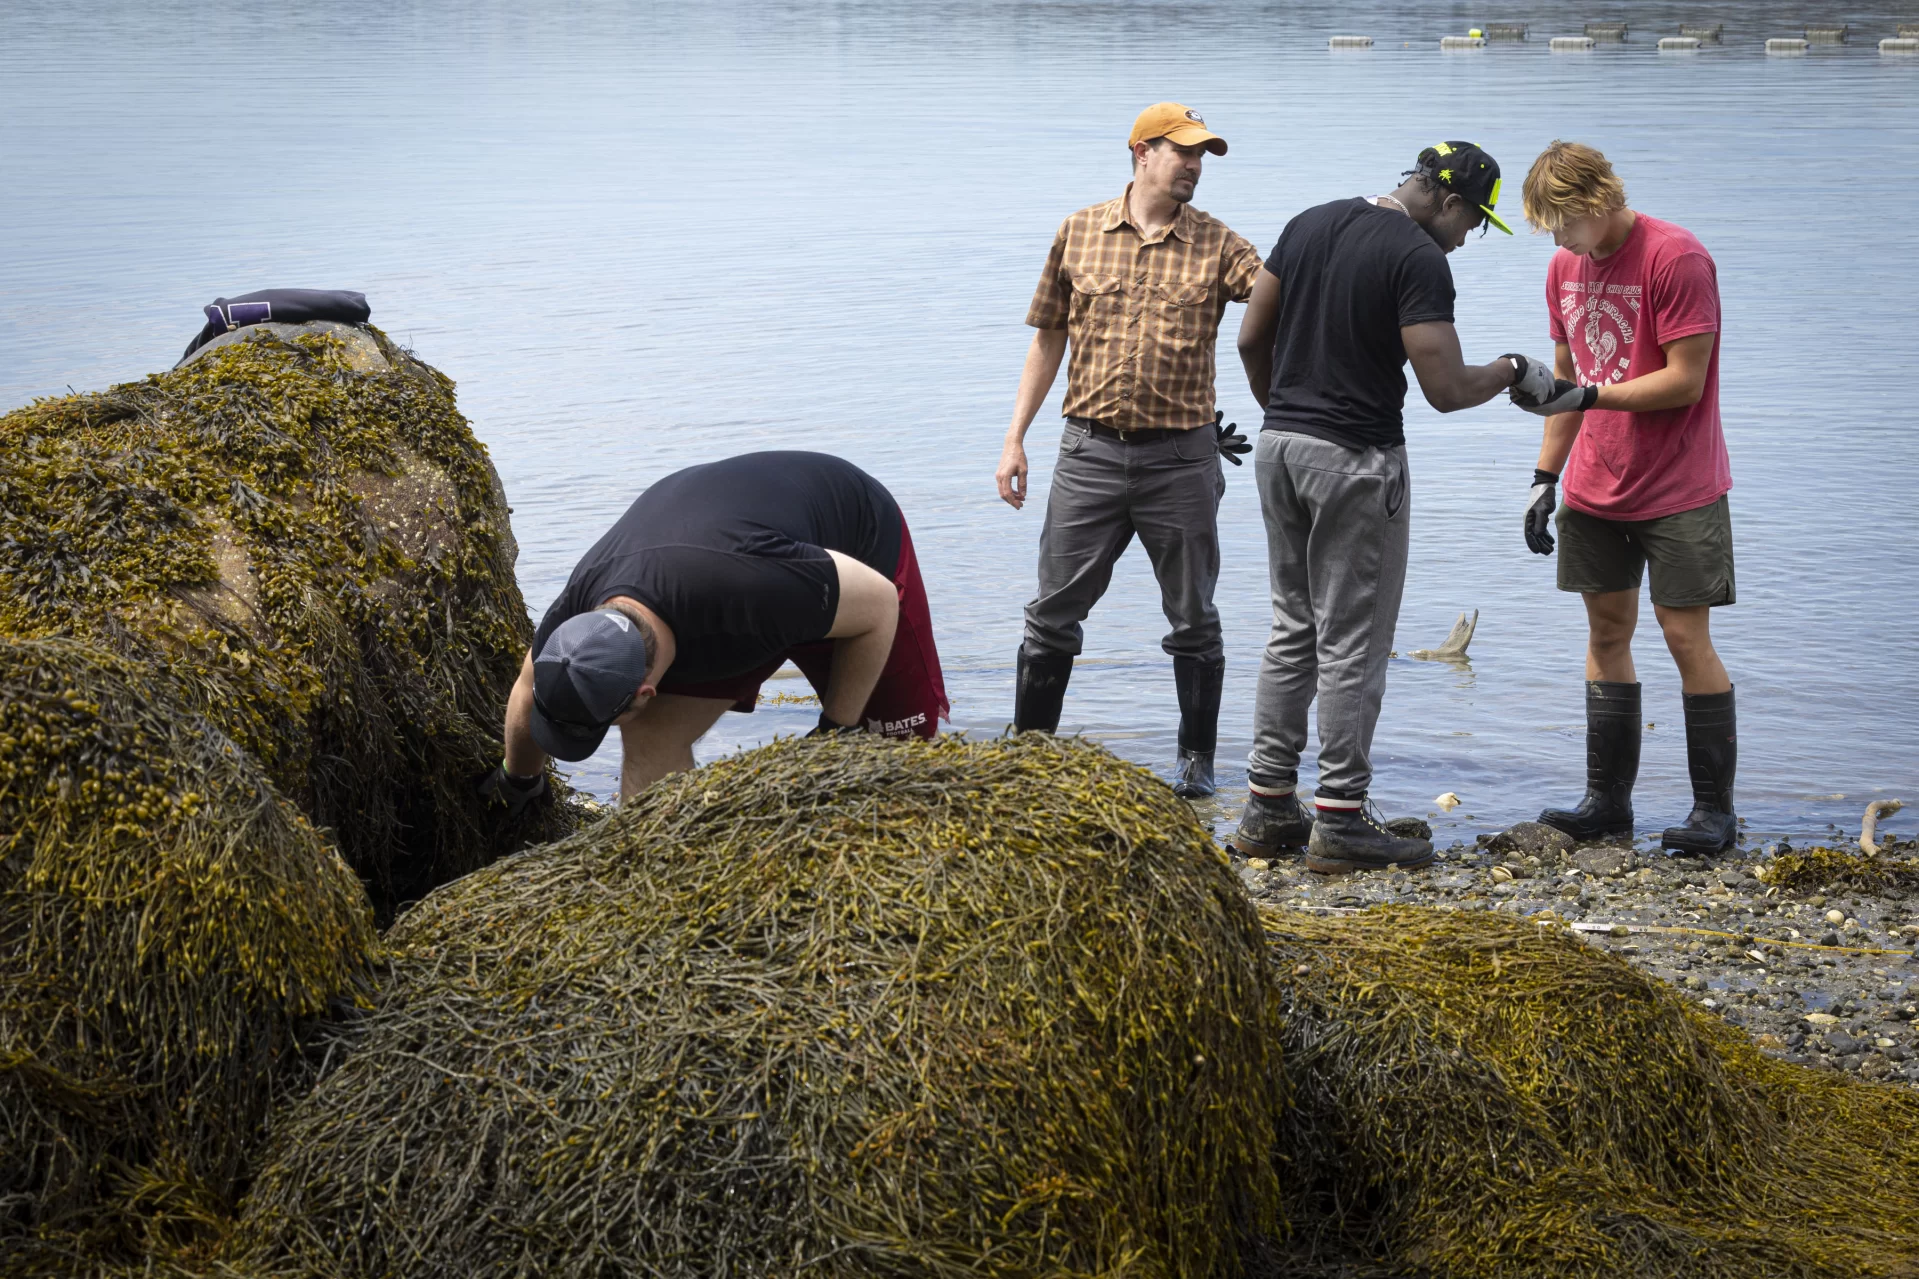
x,y
1142,315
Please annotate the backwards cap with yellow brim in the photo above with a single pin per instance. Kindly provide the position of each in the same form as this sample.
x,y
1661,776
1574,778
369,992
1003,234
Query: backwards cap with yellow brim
x,y
1463,168
1178,124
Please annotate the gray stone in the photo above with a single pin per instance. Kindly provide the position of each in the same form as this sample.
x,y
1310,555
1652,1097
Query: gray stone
x,y
1840,1044
362,352
1601,860
1531,839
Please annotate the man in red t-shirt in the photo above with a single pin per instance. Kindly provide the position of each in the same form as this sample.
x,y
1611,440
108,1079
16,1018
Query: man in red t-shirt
x,y
1632,420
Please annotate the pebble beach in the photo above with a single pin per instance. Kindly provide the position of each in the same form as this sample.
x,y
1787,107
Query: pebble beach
x,y
1824,975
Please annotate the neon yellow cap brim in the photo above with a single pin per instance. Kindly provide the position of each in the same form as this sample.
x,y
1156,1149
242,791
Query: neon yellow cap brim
x,y
1494,219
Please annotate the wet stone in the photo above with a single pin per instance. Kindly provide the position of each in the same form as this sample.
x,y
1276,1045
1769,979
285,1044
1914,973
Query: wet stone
x,y
1600,861
1531,839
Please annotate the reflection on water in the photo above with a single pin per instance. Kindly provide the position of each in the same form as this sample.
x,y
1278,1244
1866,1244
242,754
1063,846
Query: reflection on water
x,y
641,236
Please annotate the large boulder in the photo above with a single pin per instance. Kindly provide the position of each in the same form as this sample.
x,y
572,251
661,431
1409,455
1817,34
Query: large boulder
x,y
835,1008
172,933
299,525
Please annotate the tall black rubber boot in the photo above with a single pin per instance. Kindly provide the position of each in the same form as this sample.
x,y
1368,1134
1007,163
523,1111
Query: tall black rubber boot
x,y
1612,764
1040,691
1198,683
1712,757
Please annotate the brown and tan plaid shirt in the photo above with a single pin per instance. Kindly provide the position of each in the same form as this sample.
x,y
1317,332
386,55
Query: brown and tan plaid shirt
x,y
1142,315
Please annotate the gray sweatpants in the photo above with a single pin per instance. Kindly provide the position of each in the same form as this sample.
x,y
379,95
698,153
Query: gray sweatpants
x,y
1104,491
1336,525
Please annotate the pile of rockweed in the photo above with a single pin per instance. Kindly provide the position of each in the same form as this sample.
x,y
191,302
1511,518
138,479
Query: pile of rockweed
x,y
257,621
829,1008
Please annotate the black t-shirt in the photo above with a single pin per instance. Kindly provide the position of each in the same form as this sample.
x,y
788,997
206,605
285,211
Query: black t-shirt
x,y
1351,274
732,555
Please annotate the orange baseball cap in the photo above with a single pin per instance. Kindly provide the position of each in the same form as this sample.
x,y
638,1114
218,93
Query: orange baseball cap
x,y
1178,124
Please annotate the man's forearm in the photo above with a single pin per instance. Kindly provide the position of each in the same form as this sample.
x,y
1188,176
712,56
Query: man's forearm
x,y
1667,388
1557,444
1036,379
524,757
1479,383
1259,373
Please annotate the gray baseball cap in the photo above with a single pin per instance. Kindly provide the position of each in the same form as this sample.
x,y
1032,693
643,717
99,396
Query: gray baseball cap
x,y
585,678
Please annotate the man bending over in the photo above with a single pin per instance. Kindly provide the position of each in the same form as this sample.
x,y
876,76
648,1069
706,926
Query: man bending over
x,y
715,577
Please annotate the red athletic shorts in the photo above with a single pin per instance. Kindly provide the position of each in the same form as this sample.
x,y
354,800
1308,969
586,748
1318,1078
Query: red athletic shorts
x,y
909,700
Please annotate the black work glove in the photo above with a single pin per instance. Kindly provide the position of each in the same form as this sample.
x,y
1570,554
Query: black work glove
x,y
1232,445
502,787
1539,516
831,728
1566,397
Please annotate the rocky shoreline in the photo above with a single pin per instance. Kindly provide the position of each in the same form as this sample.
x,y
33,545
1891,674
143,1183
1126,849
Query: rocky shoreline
x,y
1819,966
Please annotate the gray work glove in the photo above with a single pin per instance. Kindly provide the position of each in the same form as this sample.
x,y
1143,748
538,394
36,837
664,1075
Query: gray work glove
x,y
1539,515
1565,397
1232,445
516,793
1533,381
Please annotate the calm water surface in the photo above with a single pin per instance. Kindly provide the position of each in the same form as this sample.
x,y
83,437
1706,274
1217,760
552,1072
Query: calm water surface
x,y
642,235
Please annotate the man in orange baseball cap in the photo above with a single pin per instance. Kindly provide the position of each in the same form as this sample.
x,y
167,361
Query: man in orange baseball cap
x,y
1179,125
1137,286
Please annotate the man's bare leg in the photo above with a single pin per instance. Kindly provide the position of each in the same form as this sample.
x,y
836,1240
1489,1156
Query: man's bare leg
x,y
1611,618
1689,640
658,738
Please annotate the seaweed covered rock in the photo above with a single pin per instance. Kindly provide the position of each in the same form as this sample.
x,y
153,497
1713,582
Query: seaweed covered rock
x,y
834,1007
1480,1096
299,524
170,930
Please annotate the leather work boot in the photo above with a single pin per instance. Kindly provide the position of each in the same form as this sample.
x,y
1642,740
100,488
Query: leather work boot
x,y
1272,824
1350,834
1040,690
1712,756
1198,683
1612,765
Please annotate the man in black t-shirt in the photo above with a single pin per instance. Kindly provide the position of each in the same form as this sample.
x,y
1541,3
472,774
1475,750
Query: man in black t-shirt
x,y
715,577
1353,290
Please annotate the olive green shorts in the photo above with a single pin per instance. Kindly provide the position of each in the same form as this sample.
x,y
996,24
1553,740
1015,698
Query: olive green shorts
x,y
1690,553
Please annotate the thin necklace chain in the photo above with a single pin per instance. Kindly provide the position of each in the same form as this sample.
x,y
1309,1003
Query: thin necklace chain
x,y
1381,199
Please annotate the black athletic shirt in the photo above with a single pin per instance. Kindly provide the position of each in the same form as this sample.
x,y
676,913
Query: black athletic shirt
x,y
732,555
1351,274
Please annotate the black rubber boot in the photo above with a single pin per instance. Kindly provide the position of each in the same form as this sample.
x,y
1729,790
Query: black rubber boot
x,y
1712,756
1612,765
1271,825
1040,691
1347,839
1198,684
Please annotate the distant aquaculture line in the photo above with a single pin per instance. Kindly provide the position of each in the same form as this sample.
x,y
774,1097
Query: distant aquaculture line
x,y
1690,39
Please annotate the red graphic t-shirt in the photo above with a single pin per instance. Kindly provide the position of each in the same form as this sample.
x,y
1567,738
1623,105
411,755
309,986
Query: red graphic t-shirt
x,y
1616,313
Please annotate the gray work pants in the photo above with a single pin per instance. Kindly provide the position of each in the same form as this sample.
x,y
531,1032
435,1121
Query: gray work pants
x,y
1104,491
1336,525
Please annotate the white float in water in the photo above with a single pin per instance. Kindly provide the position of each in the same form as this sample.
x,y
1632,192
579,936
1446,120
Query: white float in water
x,y
1462,42
1900,44
1350,42
1786,44
1678,44
1570,44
